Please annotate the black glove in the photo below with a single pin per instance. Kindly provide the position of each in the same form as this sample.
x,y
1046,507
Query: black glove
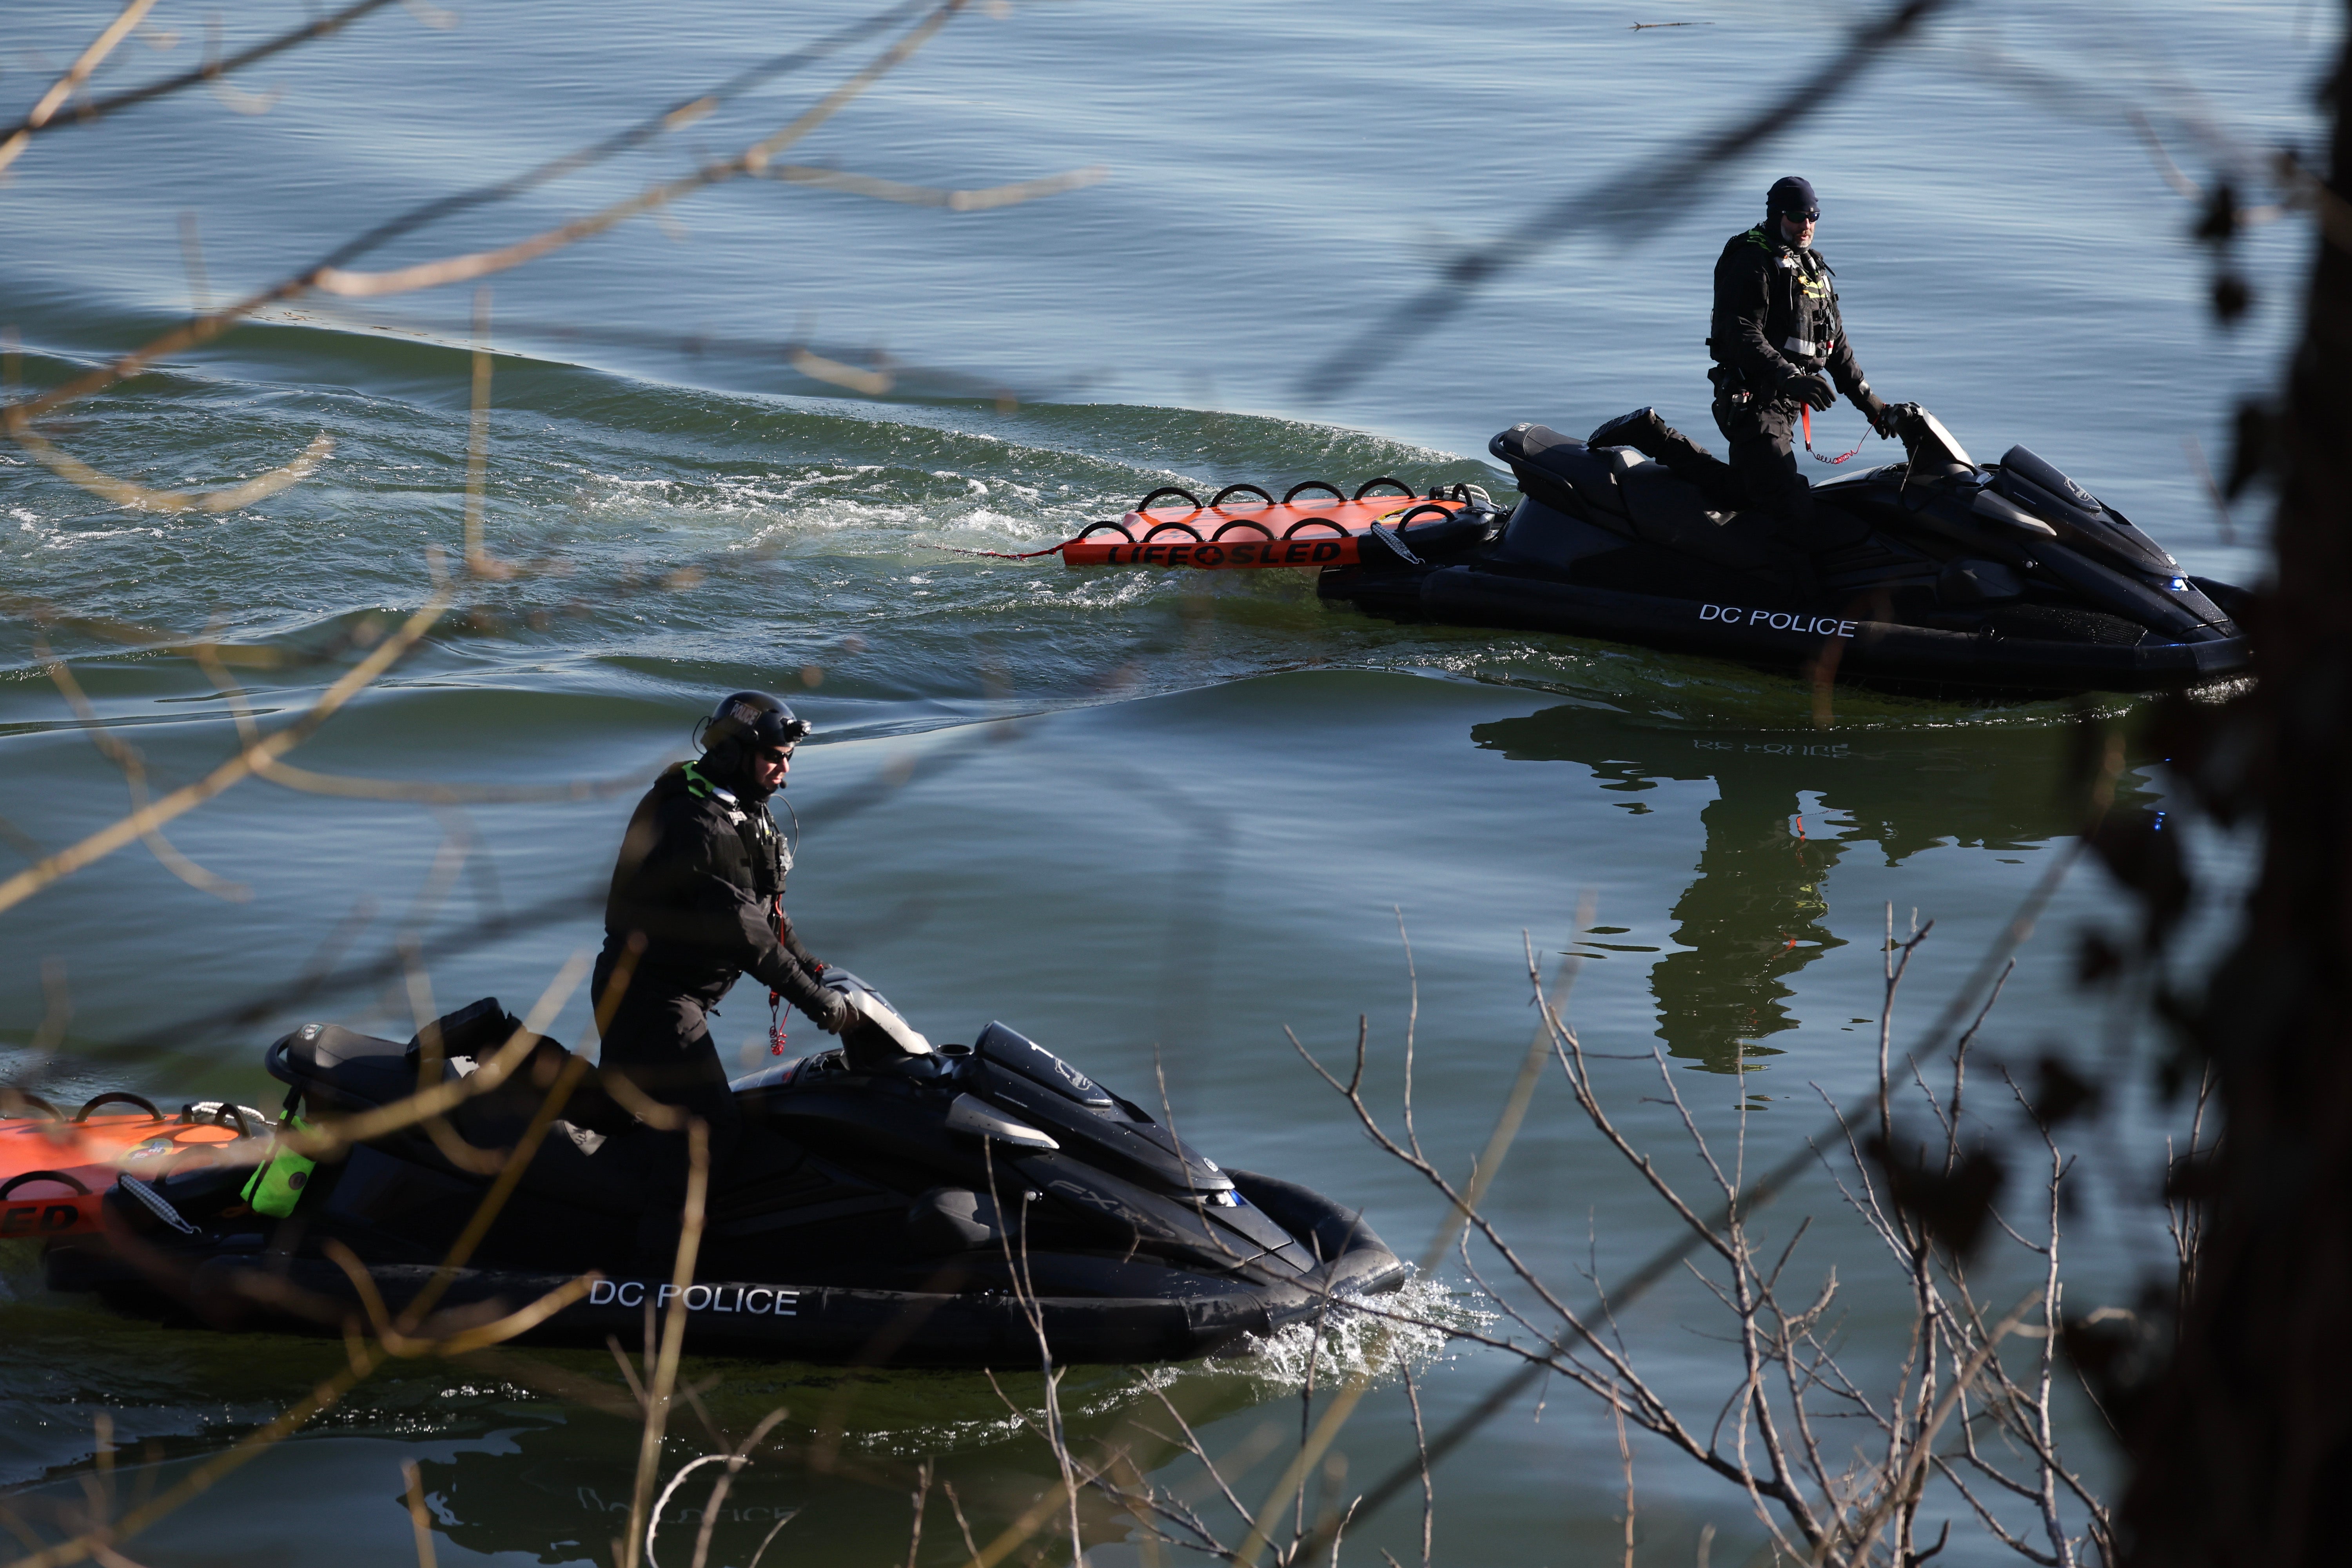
x,y
1877,410
840,1016
1811,390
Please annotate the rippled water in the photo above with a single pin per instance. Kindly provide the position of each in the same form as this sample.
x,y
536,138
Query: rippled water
x,y
1149,818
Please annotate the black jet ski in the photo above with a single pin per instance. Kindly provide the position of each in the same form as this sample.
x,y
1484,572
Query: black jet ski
x,y
889,1202
2007,580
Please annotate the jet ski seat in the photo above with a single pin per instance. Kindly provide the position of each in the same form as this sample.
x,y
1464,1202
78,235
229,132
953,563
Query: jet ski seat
x,y
343,1071
1562,470
1621,490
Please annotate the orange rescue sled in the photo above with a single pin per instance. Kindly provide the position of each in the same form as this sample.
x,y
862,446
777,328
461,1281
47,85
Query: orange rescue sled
x,y
54,1172
1314,524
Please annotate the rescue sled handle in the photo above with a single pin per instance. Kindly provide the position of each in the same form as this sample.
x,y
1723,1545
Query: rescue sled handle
x,y
1314,525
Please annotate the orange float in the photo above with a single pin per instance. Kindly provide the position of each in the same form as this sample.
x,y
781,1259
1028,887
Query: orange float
x,y
1313,525
55,1171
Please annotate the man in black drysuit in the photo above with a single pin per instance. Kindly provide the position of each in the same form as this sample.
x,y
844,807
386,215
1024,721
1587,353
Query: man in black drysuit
x,y
697,900
1777,344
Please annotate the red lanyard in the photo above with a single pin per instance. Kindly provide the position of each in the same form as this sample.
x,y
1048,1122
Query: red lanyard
x,y
1806,410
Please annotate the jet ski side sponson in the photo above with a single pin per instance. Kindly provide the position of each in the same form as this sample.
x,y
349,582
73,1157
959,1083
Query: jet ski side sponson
x,y
1170,1316
1908,656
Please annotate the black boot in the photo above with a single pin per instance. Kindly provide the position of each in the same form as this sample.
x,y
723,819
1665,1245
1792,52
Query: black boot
x,y
1685,459
1641,430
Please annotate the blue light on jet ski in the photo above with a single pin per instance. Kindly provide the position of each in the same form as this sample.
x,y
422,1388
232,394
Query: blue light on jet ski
x,y
2181,585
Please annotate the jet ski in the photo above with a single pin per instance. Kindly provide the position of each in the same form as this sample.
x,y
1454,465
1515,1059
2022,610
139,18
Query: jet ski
x,y
890,1200
2005,580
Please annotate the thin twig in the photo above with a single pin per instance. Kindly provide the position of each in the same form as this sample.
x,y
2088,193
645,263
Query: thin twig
x,y
76,73
107,840
419,1519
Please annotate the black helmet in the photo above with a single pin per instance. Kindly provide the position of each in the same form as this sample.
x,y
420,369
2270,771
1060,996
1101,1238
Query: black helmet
x,y
753,721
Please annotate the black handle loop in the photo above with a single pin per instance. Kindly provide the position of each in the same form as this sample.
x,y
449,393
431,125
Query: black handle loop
x,y
1399,486
225,1110
28,1097
1295,492
1118,528
1225,528
1292,531
1187,496
18,1180
1217,501
112,1096
1156,530
1405,518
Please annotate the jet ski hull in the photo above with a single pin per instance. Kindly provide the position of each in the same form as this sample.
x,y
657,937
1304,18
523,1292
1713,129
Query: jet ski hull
x,y
1936,577
1910,659
969,1319
882,1203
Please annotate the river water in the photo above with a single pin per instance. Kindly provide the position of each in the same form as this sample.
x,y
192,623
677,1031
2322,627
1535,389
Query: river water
x,y
1152,819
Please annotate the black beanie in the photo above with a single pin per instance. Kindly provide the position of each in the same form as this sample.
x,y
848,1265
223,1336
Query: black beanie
x,y
1790,194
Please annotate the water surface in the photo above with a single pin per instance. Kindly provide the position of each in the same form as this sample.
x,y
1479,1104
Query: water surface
x,y
1152,820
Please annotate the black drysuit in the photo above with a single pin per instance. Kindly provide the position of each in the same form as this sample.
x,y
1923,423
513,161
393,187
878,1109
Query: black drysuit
x,y
698,890
1775,317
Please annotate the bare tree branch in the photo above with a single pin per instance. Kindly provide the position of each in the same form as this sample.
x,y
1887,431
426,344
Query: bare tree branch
x,y
1641,195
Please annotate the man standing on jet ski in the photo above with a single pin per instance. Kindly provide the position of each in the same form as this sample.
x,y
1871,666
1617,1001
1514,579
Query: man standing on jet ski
x,y
696,901
1777,344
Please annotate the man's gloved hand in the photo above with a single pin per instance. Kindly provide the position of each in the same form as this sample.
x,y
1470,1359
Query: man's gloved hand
x,y
1811,390
840,1016
1877,410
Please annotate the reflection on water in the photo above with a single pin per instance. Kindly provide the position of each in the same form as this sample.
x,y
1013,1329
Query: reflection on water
x,y
529,1454
559,1493
1755,915
1758,911
511,1474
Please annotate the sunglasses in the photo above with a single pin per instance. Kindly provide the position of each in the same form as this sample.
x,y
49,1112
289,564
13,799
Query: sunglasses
x,y
1813,217
775,753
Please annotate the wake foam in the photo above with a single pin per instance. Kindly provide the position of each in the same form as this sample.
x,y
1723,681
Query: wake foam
x,y
1362,1336
1410,1328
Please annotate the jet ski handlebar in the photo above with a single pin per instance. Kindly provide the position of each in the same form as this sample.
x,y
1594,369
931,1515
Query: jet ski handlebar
x,y
1934,451
879,1036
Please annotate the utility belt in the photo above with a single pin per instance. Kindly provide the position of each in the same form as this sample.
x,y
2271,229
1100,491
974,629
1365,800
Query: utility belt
x,y
1733,386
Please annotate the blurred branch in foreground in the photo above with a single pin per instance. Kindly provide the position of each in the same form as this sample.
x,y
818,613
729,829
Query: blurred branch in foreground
x,y
133,764
43,116
986,199
753,159
246,762
333,274
374,1335
134,496
2240,1433
76,73
1644,194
